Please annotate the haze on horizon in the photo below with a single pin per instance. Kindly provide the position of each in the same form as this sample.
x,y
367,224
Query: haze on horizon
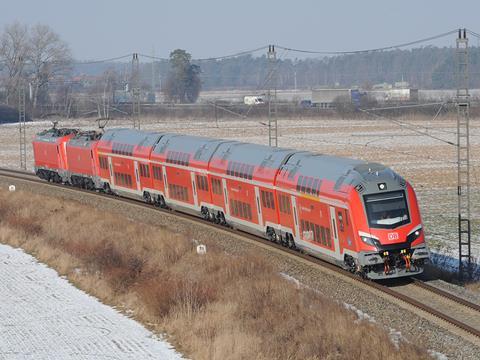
x,y
108,28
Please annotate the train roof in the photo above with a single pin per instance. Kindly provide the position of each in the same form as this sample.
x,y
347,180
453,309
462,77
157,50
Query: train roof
x,y
339,170
84,138
260,156
53,134
201,148
132,137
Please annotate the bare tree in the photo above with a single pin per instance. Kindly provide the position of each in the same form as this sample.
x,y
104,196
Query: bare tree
x,y
14,49
49,56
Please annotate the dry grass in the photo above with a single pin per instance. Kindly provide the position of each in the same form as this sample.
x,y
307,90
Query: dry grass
x,y
215,306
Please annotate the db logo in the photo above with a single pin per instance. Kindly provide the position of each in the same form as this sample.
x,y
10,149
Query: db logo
x,y
392,236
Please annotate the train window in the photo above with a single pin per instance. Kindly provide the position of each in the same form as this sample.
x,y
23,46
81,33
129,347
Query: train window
x,y
241,170
316,187
299,181
340,221
272,200
317,233
202,183
157,172
147,171
309,186
216,187
103,162
235,207
249,212
284,204
329,240
324,238
244,210
303,187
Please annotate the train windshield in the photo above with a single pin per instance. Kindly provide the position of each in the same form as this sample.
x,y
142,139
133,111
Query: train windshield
x,y
387,210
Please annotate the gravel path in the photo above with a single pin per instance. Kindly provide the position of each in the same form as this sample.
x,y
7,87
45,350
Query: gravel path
x,y
390,314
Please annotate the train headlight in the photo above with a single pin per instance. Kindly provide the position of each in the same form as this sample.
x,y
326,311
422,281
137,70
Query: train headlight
x,y
414,235
369,241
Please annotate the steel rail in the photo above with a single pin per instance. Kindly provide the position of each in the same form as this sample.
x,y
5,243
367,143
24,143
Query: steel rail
x,y
21,175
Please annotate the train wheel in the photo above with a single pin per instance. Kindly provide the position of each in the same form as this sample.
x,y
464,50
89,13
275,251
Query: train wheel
x,y
206,213
161,201
271,234
290,241
147,197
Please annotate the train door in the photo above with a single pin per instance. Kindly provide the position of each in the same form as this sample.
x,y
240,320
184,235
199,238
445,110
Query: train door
x,y
259,207
194,188
225,192
137,178
333,222
295,216
165,182
110,167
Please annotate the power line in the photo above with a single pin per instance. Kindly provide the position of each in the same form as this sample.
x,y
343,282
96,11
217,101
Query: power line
x,y
102,60
370,50
409,127
241,53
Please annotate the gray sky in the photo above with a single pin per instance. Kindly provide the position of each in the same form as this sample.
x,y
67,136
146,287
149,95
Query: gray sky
x,y
107,28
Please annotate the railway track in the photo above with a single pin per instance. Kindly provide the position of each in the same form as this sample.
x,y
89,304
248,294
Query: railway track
x,y
450,309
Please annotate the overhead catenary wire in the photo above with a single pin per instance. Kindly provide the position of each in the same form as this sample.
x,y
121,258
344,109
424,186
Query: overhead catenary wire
x,y
409,127
391,47
240,53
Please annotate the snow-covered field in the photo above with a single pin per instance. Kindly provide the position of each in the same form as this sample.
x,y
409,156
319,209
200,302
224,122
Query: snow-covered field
x,y
43,316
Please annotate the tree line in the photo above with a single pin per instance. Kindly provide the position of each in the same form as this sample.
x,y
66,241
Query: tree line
x,y
425,68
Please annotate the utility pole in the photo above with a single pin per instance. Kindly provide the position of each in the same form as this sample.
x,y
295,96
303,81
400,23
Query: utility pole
x,y
22,125
153,76
463,154
272,96
135,91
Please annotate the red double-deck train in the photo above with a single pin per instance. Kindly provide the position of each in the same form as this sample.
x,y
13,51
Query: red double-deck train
x,y
361,216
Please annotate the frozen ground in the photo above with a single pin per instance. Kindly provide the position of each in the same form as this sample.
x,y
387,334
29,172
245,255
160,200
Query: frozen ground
x,y
43,316
428,162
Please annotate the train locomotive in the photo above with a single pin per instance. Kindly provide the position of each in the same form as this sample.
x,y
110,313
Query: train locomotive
x,y
361,216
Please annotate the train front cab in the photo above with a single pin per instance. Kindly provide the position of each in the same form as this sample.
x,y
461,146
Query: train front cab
x,y
390,234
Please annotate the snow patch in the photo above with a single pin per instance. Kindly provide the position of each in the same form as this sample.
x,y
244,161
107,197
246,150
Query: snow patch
x,y
44,316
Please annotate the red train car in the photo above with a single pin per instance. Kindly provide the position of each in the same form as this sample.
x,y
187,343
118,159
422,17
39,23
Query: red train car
x,y
361,216
49,152
82,159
